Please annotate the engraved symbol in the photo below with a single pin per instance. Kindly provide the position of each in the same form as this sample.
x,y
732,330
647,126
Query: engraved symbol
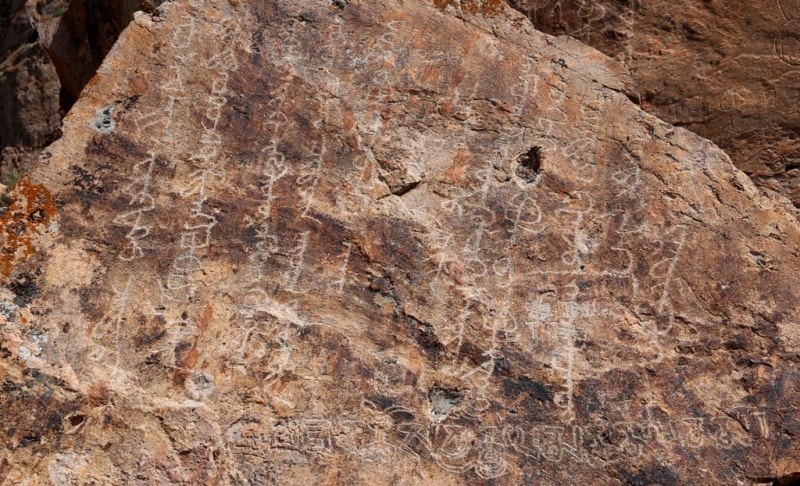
x,y
790,9
491,462
287,434
454,447
525,214
355,436
732,100
143,202
318,437
183,34
339,283
119,319
665,268
787,48
296,267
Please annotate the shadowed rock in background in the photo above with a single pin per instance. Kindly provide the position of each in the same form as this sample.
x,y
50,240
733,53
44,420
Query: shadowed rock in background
x,y
49,50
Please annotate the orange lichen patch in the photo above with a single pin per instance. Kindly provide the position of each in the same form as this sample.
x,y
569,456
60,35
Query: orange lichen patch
x,y
190,361
32,208
205,318
486,7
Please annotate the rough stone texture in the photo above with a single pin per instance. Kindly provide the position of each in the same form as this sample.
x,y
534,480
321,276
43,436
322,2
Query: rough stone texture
x,y
388,243
728,70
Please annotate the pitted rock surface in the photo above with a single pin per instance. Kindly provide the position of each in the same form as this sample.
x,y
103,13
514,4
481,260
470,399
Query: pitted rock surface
x,y
303,242
728,70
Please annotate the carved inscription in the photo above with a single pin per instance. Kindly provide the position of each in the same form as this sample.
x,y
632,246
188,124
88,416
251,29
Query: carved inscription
x,y
484,450
492,274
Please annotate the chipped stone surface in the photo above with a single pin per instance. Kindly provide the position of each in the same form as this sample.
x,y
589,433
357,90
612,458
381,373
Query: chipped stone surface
x,y
728,70
393,243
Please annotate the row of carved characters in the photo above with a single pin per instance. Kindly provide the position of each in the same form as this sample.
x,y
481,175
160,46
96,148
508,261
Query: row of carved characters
x,y
204,169
489,450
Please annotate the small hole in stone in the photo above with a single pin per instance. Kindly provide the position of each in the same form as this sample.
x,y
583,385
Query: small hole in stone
x,y
76,420
443,400
529,164
792,479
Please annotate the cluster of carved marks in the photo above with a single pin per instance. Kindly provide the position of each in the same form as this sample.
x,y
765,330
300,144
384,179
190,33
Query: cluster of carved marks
x,y
142,202
392,435
330,257
483,7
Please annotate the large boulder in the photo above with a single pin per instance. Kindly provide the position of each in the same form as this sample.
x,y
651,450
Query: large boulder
x,y
350,242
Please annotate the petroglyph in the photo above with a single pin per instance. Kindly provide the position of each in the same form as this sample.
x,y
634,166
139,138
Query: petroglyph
x,y
459,449
143,202
341,249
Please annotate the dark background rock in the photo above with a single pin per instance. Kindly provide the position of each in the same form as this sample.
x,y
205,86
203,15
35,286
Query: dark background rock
x,y
49,50
30,109
78,39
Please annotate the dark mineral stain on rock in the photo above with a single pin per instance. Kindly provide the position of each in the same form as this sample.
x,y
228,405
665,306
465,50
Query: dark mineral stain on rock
x,y
25,288
513,387
654,475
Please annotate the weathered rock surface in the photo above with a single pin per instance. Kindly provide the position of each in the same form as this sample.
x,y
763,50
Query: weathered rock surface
x,y
728,70
78,39
391,243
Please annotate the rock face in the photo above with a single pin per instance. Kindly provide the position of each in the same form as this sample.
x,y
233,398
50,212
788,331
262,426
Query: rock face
x,y
394,243
79,37
729,71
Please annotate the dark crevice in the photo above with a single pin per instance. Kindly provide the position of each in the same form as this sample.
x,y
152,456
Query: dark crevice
x,y
529,164
398,189
406,188
792,479
77,420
